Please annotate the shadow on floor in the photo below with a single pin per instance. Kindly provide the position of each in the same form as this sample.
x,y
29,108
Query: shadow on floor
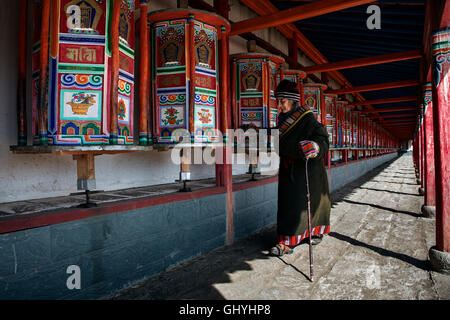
x,y
413,214
341,193
390,191
385,181
421,264
196,279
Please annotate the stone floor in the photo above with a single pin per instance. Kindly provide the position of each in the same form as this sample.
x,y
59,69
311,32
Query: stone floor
x,y
377,249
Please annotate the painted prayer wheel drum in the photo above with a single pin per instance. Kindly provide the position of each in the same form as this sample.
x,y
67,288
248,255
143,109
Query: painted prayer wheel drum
x,y
348,126
354,129
185,73
296,76
364,122
78,99
341,128
330,108
315,99
255,77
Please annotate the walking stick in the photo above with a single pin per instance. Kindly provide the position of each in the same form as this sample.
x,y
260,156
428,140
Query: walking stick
x,y
311,271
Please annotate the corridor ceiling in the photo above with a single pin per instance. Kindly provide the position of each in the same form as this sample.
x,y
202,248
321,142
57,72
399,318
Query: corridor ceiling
x,y
344,35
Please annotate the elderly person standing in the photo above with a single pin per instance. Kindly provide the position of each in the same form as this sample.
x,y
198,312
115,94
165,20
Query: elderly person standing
x,y
301,136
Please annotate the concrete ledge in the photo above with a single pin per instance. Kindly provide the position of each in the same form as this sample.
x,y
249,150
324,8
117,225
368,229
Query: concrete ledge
x,y
440,260
428,211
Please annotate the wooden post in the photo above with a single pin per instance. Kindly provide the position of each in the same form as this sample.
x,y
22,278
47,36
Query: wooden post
x,y
293,51
224,170
85,171
429,181
234,106
190,42
114,90
422,146
42,96
441,117
144,75
22,77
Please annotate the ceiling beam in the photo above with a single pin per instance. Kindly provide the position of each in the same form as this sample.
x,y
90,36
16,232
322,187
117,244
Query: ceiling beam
x,y
362,62
265,7
305,11
388,100
378,86
202,5
388,110
393,116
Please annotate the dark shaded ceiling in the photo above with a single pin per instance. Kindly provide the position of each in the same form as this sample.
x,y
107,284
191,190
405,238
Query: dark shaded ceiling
x,y
344,35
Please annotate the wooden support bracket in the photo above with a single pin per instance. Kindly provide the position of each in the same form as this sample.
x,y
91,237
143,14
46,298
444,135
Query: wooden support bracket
x,y
85,171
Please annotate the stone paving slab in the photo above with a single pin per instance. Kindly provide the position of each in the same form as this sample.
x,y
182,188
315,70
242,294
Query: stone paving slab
x,y
377,249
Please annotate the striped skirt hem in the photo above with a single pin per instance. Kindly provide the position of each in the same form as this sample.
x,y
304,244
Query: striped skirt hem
x,y
295,240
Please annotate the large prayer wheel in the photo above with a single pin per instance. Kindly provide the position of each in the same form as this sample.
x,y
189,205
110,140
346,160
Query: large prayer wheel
x,y
315,99
186,64
330,107
296,76
341,127
354,129
74,65
255,77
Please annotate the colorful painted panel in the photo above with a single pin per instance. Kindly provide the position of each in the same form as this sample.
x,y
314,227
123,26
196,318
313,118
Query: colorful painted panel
x,y
256,77
330,105
312,99
355,129
172,80
79,71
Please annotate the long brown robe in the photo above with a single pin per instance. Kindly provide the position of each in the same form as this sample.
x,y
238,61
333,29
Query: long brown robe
x,y
292,217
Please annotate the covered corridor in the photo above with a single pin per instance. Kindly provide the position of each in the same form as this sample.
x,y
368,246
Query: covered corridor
x,y
377,249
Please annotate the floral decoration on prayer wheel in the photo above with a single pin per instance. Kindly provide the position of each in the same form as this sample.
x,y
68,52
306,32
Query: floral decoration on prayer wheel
x,y
341,128
255,77
185,74
315,99
296,76
330,108
354,117
76,110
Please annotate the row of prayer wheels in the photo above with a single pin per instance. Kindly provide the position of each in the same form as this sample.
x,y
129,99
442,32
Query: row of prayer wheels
x,y
83,94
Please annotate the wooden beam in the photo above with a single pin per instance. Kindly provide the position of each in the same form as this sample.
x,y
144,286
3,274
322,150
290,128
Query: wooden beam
x,y
355,63
144,75
265,7
22,77
378,86
114,90
389,100
294,14
388,110
43,65
398,115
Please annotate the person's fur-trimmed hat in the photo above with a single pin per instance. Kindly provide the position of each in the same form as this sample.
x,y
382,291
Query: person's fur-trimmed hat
x,y
287,89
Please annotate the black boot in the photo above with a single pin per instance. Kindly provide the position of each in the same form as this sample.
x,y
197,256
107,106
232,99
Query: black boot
x,y
316,240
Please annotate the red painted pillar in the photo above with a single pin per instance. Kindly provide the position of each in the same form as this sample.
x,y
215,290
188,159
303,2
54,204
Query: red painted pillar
x,y
144,88
293,51
224,171
114,90
429,181
22,77
441,118
420,151
43,74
